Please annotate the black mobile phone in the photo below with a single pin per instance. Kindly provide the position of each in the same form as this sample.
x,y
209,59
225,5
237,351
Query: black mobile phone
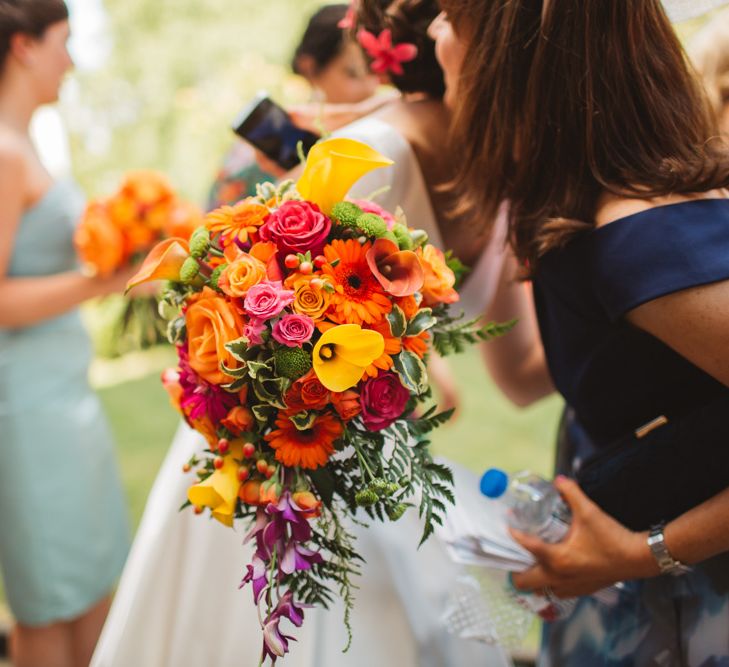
x,y
268,127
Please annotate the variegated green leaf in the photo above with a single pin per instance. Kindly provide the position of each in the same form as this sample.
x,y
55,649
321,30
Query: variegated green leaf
x,y
234,372
263,413
398,321
238,348
412,371
234,386
176,331
304,420
256,368
423,321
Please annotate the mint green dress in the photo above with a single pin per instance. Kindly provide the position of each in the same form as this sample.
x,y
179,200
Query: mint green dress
x,y
63,528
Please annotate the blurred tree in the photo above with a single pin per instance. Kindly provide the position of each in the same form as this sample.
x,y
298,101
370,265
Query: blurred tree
x,y
178,73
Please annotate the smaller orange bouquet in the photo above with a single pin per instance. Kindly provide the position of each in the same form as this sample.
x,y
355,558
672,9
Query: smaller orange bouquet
x,y
115,231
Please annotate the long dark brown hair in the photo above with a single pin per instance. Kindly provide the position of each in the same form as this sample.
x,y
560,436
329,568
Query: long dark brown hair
x,y
31,17
552,112
409,21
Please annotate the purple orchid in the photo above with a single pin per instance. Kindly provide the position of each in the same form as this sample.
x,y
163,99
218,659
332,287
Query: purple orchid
x,y
275,643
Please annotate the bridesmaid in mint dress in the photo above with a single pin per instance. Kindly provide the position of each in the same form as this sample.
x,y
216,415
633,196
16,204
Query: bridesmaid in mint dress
x,y
62,512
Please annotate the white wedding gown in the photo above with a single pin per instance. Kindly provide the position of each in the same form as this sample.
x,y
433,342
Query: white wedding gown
x,y
178,603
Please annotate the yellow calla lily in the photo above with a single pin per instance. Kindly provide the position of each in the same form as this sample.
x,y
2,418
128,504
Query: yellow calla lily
x,y
333,166
162,263
342,354
220,491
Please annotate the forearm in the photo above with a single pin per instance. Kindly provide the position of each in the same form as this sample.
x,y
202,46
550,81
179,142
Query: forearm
x,y
702,532
516,361
522,376
28,301
695,536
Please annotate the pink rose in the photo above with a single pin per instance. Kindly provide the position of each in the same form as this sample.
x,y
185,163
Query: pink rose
x,y
383,400
297,226
370,207
293,330
266,300
253,330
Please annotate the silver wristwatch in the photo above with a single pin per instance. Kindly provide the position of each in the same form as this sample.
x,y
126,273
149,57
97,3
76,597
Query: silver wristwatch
x,y
667,563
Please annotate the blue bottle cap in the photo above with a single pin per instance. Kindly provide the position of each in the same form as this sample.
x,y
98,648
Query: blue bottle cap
x,y
494,483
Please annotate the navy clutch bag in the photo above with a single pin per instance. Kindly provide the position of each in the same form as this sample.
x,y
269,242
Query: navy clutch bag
x,y
641,481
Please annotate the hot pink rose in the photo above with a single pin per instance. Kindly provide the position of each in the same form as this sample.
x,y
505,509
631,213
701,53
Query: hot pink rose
x,y
297,226
266,300
293,330
383,400
370,207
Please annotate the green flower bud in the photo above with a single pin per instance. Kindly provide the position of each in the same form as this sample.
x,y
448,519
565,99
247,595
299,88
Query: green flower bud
x,y
365,498
346,213
392,488
378,485
372,225
199,242
189,270
419,237
292,362
394,513
404,240
390,237
215,276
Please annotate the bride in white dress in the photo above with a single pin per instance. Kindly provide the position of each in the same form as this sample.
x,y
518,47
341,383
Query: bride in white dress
x,y
178,603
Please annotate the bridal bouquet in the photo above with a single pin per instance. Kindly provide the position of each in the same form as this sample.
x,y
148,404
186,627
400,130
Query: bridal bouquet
x,y
117,229
302,322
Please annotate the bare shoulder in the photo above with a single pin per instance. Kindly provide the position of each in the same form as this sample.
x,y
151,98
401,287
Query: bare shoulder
x,y
611,208
13,154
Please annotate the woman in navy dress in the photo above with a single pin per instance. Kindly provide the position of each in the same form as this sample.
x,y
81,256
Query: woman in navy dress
x,y
585,115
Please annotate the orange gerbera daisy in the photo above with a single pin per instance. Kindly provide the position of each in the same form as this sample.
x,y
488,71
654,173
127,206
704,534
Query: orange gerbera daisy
x,y
417,344
308,449
358,297
392,346
236,222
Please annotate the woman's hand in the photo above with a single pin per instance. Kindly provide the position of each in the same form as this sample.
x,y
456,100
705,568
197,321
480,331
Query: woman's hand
x,y
596,552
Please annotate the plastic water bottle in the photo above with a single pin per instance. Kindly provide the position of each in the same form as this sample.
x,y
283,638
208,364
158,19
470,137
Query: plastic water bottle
x,y
534,506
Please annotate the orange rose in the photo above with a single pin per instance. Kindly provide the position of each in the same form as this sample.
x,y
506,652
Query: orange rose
x,y
309,300
306,500
439,279
99,242
250,492
241,274
239,419
307,393
347,404
211,323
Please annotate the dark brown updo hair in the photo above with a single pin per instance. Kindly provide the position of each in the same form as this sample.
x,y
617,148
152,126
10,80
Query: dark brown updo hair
x,y
409,21
323,39
31,17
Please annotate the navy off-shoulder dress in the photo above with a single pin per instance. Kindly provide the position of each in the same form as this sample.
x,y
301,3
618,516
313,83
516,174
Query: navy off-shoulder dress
x,y
617,378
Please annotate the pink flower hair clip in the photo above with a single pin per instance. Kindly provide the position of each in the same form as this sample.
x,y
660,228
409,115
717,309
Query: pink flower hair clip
x,y
350,18
386,56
